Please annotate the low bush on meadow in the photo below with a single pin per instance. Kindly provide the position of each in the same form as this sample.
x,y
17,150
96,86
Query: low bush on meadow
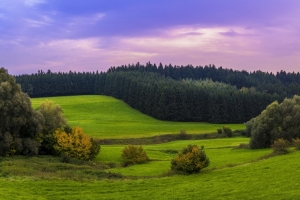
x,y
190,160
281,146
134,155
227,131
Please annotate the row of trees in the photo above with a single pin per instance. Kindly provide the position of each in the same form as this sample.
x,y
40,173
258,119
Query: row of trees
x,y
72,83
174,93
286,84
26,131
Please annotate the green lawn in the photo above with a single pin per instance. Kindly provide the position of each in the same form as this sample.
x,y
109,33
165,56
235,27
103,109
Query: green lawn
x,y
106,117
273,178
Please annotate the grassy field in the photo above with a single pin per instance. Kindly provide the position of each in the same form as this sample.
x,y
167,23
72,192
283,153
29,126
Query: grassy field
x,y
233,173
106,117
222,153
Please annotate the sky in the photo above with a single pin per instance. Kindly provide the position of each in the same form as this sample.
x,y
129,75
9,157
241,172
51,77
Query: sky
x,y
95,35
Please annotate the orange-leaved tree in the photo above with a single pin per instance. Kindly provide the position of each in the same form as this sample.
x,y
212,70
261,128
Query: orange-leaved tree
x,y
75,144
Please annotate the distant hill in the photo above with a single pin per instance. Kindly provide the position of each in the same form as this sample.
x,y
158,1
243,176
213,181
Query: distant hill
x,y
176,93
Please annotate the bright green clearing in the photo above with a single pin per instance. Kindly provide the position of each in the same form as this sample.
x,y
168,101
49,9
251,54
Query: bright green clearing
x,y
107,117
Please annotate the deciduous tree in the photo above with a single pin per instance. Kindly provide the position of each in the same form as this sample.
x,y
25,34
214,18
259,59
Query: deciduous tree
x,y
19,122
276,121
75,144
53,120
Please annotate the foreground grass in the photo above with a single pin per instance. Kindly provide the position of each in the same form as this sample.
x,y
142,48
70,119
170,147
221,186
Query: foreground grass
x,y
106,117
273,178
108,164
221,152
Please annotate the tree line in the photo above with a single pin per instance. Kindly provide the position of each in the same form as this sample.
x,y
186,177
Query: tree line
x,y
177,93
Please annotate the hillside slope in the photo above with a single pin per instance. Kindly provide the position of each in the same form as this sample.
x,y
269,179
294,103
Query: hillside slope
x,y
107,117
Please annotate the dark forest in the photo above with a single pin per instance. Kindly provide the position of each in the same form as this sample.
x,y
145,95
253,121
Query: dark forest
x,y
175,93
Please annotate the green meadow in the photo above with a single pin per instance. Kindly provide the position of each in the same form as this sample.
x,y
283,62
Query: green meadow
x,y
106,117
233,173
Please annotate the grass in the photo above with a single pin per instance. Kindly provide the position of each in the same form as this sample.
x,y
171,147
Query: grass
x,y
106,117
221,152
273,178
233,173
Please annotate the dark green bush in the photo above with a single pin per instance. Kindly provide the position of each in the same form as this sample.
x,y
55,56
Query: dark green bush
x,y
219,131
227,131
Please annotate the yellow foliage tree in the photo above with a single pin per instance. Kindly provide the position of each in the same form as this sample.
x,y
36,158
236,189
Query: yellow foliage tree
x,y
75,144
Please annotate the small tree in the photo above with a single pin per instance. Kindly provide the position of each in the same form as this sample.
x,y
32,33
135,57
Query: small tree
x,y
53,116
190,160
75,144
53,120
134,155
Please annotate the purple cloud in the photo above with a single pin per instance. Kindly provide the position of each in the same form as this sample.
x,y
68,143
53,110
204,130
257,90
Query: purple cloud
x,y
94,35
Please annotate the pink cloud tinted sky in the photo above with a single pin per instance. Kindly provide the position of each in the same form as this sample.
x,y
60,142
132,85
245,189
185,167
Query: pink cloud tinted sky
x,y
95,35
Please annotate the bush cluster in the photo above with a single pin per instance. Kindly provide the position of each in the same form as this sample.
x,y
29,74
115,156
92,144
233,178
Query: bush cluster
x,y
26,131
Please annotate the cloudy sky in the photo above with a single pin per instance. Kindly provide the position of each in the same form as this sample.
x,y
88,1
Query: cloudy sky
x,y
94,35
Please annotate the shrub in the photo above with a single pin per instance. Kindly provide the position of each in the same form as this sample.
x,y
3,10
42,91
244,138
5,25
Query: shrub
x,y
183,135
227,131
296,143
281,145
65,158
95,148
190,160
243,146
134,155
219,131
